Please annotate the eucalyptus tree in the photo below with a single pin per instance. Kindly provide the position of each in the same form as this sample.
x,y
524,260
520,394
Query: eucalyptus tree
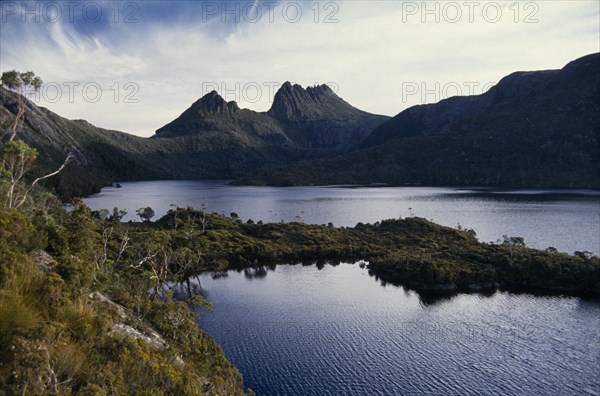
x,y
17,156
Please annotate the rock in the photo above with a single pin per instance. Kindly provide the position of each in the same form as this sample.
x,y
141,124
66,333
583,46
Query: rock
x,y
179,361
101,298
128,326
153,339
44,260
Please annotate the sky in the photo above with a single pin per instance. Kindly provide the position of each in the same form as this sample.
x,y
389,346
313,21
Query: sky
x,y
134,66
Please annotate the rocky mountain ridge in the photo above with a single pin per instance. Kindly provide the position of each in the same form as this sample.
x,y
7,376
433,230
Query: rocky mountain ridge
x,y
533,129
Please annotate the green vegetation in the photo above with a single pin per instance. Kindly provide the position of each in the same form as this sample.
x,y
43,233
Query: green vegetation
x,y
59,334
413,252
85,307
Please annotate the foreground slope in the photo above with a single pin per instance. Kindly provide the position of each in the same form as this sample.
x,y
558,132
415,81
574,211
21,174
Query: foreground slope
x,y
76,316
532,129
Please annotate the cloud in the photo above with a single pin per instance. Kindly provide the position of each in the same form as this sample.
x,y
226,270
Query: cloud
x,y
151,60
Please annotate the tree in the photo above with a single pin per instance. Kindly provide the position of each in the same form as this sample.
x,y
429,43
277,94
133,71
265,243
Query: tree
x,y
17,160
20,83
16,156
117,215
513,241
145,213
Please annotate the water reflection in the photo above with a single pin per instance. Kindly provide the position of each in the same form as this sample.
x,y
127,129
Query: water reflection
x,y
255,272
427,298
338,331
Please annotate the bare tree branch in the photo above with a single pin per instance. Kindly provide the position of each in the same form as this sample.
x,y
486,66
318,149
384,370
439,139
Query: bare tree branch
x,y
69,158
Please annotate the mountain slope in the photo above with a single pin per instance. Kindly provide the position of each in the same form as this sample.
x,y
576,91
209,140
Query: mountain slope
x,y
102,155
311,118
212,139
532,129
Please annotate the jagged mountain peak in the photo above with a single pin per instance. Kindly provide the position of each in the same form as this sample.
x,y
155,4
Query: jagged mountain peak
x,y
202,114
314,117
213,103
294,103
320,91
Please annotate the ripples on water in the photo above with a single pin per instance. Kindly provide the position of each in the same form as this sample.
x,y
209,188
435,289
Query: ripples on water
x,y
337,331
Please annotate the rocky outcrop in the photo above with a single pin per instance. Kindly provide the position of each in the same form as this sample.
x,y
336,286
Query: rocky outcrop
x,y
316,117
127,326
294,103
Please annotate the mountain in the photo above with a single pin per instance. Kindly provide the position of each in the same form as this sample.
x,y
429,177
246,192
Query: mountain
x,y
533,129
103,156
213,139
316,117
545,95
311,118
211,116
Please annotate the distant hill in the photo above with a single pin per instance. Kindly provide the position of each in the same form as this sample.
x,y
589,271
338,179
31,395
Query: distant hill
x,y
213,139
532,129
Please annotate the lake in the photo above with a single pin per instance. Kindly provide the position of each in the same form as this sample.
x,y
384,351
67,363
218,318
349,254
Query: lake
x,y
568,220
300,330
336,330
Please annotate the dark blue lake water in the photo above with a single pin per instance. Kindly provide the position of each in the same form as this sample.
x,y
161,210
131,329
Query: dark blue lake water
x,y
568,220
298,330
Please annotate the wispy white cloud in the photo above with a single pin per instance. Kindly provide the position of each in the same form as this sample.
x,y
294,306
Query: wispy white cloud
x,y
370,54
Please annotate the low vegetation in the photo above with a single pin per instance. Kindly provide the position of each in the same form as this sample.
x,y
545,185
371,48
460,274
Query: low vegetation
x,y
61,334
76,314
413,252
55,337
